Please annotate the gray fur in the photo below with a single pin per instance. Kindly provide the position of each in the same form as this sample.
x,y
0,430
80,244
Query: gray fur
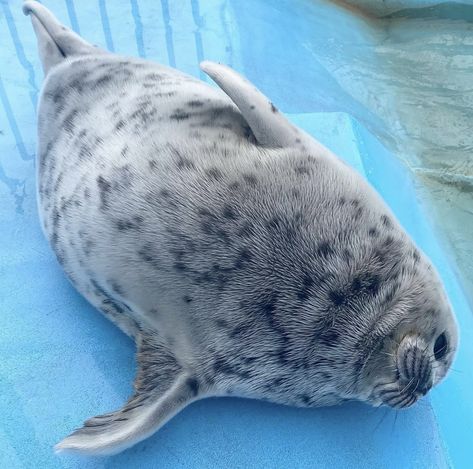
x,y
241,255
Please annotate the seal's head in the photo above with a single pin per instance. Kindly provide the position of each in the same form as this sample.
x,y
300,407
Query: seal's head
x,y
413,350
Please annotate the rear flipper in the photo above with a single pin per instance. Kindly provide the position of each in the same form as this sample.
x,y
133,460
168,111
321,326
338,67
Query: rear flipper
x,y
162,389
55,41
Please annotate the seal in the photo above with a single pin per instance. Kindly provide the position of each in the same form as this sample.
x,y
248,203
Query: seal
x,y
242,256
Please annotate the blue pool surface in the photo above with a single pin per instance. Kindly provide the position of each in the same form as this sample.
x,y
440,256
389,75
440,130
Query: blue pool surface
x,y
62,362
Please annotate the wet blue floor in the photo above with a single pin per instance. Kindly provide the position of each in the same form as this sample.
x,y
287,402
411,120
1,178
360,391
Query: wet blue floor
x,y
61,362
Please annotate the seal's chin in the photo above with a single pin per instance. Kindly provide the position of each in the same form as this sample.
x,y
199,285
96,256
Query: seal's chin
x,y
397,395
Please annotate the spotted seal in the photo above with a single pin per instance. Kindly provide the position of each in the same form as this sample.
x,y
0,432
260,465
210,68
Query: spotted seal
x,y
242,256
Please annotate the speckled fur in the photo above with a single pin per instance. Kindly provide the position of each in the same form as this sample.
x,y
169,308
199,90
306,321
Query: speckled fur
x,y
239,268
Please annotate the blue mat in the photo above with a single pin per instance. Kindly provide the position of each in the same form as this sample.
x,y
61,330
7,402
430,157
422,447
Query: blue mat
x,y
62,362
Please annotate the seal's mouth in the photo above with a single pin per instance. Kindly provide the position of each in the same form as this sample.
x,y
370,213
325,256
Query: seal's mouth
x,y
399,395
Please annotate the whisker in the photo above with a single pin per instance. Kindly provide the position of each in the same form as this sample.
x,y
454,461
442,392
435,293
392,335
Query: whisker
x,y
395,419
409,402
381,420
383,384
388,392
408,384
423,351
397,402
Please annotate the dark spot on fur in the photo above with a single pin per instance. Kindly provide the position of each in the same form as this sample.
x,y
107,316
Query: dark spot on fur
x,y
119,125
275,223
68,123
60,258
386,221
415,255
222,366
302,170
195,103
373,232
184,163
146,253
281,356
154,76
85,152
307,284
131,224
103,80
273,108
229,212
337,297
209,227
325,250
252,107
187,299
342,201
152,164
214,173
104,188
387,243
221,324
193,386
298,140
180,266
124,151
250,179
179,115
234,185
243,258
305,399
116,287
329,338
365,283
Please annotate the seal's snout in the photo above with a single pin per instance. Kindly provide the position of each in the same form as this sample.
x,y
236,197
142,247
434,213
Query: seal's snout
x,y
414,374
413,363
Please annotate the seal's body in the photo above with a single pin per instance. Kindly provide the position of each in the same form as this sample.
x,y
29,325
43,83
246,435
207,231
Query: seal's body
x,y
242,256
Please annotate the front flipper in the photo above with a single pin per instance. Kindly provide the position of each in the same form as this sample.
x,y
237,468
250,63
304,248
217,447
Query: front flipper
x,y
162,389
269,127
